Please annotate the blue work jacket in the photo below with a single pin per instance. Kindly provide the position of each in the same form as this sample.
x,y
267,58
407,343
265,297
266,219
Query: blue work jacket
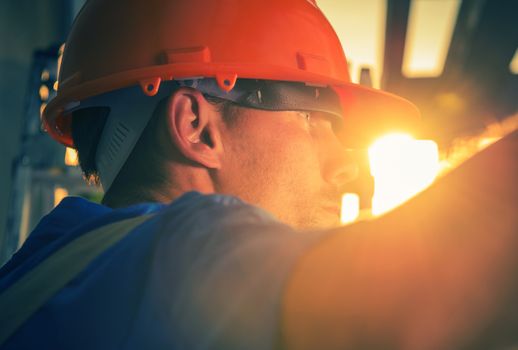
x,y
205,272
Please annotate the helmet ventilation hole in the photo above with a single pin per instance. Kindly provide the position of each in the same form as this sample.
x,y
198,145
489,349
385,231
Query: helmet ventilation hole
x,y
118,138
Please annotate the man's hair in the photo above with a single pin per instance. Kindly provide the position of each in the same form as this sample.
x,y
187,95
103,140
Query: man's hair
x,y
144,173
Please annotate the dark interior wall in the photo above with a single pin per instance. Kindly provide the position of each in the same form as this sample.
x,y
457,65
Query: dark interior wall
x,y
25,25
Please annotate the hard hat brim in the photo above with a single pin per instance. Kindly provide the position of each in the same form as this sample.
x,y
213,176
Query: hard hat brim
x,y
369,113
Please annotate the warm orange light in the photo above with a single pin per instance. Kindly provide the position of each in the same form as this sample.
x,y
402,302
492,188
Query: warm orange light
x,y
350,208
401,167
42,107
463,148
44,93
59,194
71,157
45,75
487,141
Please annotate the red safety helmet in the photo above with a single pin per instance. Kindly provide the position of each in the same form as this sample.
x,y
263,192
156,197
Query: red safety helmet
x,y
121,43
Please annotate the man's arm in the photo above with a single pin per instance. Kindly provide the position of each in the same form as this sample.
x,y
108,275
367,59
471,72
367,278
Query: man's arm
x,y
440,272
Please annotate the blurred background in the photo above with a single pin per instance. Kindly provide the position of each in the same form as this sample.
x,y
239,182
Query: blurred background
x,y
456,59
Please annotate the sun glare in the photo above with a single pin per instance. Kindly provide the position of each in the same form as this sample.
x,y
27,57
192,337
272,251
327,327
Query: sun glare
x,y
350,208
401,167
71,157
59,194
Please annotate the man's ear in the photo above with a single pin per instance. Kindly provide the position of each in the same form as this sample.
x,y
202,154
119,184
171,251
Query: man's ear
x,y
194,128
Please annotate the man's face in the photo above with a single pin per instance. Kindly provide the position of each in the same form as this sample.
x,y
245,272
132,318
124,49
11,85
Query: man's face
x,y
289,163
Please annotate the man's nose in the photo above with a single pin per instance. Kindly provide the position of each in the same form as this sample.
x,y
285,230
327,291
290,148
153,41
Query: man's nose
x,y
340,167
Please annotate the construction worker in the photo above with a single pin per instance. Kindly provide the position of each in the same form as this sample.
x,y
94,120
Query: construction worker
x,y
219,131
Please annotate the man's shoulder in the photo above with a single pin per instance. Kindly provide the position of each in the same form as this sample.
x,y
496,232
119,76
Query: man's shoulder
x,y
211,212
